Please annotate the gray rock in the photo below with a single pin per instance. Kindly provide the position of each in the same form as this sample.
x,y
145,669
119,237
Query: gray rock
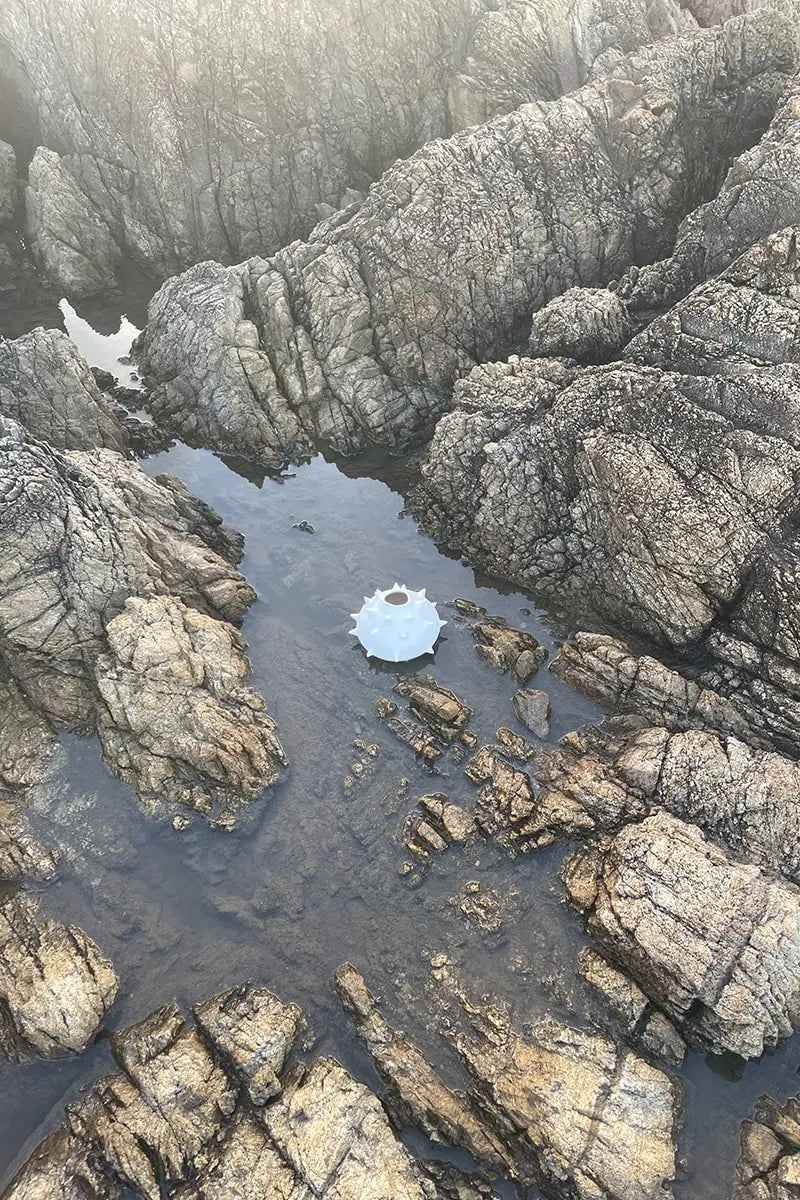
x,y
48,388
204,149
329,339
528,51
606,775
8,182
532,707
175,716
81,533
607,671
713,942
71,240
55,985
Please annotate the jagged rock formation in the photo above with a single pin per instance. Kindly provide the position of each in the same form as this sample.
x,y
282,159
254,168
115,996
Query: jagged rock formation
x,y
187,1107
174,707
606,670
8,182
71,241
82,532
632,1013
204,149
115,593
182,141
663,497
564,1110
440,709
55,985
768,1162
358,334
606,775
48,388
714,943
527,51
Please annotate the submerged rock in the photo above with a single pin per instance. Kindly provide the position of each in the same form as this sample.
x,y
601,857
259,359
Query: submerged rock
x,y
328,340
713,942
768,1161
175,717
55,985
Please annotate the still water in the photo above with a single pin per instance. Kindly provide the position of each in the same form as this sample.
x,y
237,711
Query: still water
x,y
310,878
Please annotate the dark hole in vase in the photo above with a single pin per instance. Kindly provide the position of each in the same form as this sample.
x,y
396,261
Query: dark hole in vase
x,y
397,598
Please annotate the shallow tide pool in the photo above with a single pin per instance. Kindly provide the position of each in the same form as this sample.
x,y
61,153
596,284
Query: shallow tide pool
x,y
311,878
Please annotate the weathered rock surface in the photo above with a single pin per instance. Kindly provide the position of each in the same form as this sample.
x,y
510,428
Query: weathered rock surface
x,y
201,1109
205,149
418,1096
525,51
606,775
768,1162
254,1033
663,496
505,808
631,1012
713,942
55,985
532,706
440,709
176,718
8,182
606,670
550,1107
48,388
357,335
73,244
81,532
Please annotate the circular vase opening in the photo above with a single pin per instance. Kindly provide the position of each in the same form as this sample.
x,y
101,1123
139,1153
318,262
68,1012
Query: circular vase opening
x,y
397,598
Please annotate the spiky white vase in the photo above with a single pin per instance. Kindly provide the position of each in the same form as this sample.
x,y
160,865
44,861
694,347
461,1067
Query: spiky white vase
x,y
397,624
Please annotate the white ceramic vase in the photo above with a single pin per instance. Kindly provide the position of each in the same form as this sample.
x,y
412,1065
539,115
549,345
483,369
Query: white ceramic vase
x,y
397,624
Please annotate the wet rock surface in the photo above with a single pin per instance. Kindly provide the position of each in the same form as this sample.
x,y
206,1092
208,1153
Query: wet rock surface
x,y
550,1106
768,1162
55,985
712,941
174,1113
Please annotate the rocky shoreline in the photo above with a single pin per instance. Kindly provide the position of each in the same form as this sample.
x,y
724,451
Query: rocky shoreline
x,y
579,304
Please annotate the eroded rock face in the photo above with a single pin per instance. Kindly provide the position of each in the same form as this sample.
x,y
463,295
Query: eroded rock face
x,y
526,51
55,985
606,670
203,1107
566,1111
346,338
82,532
175,707
48,388
8,182
768,1162
714,942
